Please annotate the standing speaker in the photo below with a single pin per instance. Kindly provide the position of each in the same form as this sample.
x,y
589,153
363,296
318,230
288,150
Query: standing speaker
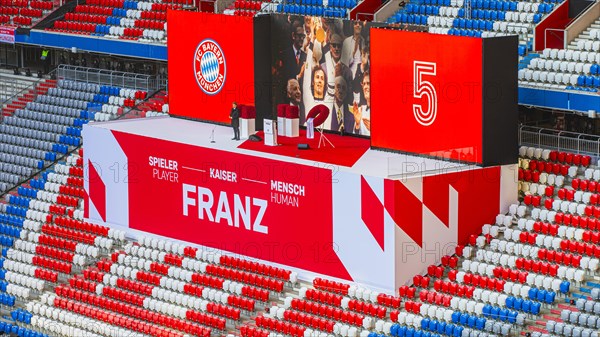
x,y
303,146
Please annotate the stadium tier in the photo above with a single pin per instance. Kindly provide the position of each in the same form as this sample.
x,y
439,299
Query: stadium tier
x,y
531,271
130,20
290,171
23,12
574,68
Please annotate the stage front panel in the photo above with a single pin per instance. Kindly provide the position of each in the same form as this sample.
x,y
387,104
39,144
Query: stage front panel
x,y
318,220
427,94
211,64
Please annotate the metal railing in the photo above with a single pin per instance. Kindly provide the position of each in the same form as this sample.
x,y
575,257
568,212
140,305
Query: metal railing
x,y
108,77
560,140
32,89
365,17
11,86
557,34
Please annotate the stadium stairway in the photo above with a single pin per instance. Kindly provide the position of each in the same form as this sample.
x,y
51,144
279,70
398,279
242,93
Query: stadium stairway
x,y
11,85
587,40
524,62
45,124
575,68
58,13
141,21
24,13
479,18
156,105
19,101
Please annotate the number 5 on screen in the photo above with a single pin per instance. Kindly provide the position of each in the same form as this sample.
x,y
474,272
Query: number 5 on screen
x,y
423,87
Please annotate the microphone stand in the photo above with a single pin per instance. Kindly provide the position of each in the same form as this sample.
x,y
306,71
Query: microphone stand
x,y
212,135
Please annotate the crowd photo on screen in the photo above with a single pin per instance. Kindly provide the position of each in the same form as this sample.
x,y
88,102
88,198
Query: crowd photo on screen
x,y
324,61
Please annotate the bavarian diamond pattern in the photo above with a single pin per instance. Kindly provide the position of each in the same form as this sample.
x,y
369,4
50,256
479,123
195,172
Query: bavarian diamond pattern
x,y
209,65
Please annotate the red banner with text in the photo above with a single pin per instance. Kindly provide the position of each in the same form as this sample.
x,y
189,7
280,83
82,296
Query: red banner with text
x,y
233,202
7,34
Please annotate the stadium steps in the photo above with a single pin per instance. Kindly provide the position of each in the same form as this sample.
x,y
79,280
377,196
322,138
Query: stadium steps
x,y
57,14
585,35
19,101
524,63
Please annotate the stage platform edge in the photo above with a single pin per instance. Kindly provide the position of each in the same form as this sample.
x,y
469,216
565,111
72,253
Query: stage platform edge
x,y
367,223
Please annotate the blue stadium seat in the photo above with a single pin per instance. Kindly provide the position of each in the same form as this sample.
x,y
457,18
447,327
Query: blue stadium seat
x,y
472,321
533,293
495,313
480,324
550,297
455,317
589,81
441,328
431,325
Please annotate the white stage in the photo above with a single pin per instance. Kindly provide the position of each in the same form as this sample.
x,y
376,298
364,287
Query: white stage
x,y
375,163
404,212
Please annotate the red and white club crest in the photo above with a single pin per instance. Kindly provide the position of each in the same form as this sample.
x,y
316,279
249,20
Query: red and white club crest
x,y
209,67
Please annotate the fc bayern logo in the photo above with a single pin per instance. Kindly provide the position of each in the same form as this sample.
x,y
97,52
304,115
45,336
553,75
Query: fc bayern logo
x,y
209,67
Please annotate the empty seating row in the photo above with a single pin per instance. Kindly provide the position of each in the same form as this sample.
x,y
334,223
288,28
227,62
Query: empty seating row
x,y
581,319
133,20
312,10
331,3
23,12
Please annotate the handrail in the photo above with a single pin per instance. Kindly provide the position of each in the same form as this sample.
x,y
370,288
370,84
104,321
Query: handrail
x,y
33,87
578,25
14,83
108,77
559,140
552,30
365,16
63,157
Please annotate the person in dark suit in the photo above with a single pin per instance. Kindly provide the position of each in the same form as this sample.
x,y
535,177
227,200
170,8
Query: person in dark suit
x,y
234,115
293,58
342,118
